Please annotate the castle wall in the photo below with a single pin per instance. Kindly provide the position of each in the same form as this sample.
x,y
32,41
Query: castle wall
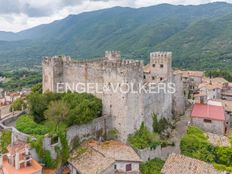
x,y
126,109
178,96
158,103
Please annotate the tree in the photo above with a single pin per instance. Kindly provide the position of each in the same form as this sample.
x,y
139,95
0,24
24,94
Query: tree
x,y
18,105
37,88
57,112
37,105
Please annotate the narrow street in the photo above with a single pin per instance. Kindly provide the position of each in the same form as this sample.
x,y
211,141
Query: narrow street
x,y
180,130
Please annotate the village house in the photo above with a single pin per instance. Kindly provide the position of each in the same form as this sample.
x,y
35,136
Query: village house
x,y
11,97
104,158
209,117
185,165
191,80
18,160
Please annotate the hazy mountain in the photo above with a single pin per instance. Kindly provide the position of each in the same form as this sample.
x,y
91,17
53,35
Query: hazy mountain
x,y
200,36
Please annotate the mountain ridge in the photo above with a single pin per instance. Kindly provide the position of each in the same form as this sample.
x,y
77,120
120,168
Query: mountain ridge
x,y
135,32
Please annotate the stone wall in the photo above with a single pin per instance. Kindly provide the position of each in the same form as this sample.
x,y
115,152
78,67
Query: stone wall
x,y
93,129
160,104
158,152
179,101
17,134
216,126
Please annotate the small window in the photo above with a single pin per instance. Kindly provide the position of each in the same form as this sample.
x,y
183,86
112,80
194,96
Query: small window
x,y
161,65
144,77
207,121
115,167
128,167
161,78
153,78
153,65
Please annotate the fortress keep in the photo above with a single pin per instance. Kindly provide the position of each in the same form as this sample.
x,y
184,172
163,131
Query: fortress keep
x,y
126,110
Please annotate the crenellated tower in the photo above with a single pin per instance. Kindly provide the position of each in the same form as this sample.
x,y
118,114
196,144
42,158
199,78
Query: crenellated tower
x,y
161,66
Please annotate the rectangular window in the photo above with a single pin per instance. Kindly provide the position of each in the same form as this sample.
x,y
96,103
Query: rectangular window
x,y
153,78
161,78
115,167
207,121
153,65
161,65
144,77
128,167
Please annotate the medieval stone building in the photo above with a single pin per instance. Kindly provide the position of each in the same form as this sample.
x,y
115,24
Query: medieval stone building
x,y
125,110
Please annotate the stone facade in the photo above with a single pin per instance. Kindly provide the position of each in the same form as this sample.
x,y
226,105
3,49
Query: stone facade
x,y
126,110
214,126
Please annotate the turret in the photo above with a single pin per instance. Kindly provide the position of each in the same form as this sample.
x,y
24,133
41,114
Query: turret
x,y
161,65
113,55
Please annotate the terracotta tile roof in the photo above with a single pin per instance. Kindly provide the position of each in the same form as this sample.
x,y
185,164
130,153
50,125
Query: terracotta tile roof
x,y
190,73
91,162
208,112
218,140
116,150
100,156
179,164
210,85
227,104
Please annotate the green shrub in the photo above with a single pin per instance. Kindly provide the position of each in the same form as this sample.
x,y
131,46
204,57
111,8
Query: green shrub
x,y
5,140
161,125
83,107
153,166
195,144
26,124
143,138
43,154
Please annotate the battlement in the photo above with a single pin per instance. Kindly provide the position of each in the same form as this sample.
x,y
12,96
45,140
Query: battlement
x,y
113,55
56,59
161,55
127,64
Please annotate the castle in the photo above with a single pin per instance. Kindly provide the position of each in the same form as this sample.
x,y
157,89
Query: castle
x,y
125,110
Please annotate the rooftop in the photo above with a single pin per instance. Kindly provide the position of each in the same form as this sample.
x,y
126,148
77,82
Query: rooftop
x,y
185,165
97,157
208,112
190,73
227,104
218,140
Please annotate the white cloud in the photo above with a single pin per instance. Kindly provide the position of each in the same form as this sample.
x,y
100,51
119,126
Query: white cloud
x,y
18,15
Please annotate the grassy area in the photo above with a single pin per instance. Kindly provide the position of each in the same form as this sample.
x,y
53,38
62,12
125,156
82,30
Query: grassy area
x,y
195,144
27,125
153,166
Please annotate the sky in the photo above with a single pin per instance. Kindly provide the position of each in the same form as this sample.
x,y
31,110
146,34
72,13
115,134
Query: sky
x,y
17,15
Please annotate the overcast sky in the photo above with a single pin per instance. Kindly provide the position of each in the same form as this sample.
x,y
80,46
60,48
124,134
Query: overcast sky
x,y
17,15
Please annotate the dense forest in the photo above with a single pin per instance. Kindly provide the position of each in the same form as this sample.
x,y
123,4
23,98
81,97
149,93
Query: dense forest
x,y
199,36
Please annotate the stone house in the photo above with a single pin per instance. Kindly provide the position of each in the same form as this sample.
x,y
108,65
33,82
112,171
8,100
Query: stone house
x,y
104,158
210,118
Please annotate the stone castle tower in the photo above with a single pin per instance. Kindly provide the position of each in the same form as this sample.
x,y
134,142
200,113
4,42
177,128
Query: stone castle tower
x,y
126,110
161,65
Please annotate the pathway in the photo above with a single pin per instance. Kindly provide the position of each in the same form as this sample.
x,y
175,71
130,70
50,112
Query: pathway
x,y
180,130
